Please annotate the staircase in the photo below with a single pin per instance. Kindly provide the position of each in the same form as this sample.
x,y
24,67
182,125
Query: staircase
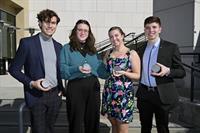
x,y
9,120
12,97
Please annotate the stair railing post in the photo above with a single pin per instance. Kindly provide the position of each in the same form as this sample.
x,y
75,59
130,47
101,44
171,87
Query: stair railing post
x,y
21,119
192,84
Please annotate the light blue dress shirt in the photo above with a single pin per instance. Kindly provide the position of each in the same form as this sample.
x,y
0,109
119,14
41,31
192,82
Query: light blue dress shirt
x,y
149,59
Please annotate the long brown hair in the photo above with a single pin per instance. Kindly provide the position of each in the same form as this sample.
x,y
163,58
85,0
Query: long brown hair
x,y
90,41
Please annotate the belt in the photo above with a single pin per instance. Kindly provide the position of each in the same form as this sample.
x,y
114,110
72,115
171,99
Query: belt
x,y
53,89
84,77
87,75
149,88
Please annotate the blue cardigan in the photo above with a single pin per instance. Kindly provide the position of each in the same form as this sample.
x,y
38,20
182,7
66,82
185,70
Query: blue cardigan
x,y
71,60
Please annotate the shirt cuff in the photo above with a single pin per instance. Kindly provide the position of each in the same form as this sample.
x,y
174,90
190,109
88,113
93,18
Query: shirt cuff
x,y
30,85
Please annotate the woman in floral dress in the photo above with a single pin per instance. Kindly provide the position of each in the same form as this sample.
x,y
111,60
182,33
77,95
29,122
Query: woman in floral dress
x,y
118,94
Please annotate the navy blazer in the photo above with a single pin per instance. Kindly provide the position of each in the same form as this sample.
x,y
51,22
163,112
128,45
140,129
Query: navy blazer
x,y
29,55
169,56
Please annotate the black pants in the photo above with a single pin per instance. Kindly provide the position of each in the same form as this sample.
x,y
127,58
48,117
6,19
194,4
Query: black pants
x,y
45,111
149,105
83,103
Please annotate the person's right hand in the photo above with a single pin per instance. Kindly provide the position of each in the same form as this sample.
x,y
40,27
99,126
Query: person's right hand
x,y
83,70
36,84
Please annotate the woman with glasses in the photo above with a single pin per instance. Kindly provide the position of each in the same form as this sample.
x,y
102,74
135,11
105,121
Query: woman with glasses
x,y
81,67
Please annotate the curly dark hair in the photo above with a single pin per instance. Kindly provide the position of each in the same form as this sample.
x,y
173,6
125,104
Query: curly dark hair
x,y
90,41
46,15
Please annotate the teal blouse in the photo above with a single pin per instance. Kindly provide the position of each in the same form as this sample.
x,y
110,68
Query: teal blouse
x,y
71,60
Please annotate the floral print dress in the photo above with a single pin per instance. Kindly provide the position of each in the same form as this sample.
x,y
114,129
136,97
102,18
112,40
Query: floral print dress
x,y
118,97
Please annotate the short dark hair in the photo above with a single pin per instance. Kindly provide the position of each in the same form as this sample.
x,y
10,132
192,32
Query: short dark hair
x,y
116,28
152,19
46,15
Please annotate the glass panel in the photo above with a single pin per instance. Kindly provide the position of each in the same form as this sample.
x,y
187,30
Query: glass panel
x,y
7,39
8,36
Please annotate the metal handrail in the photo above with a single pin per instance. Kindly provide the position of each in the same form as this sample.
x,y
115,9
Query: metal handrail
x,y
189,53
21,117
140,36
193,69
136,41
106,44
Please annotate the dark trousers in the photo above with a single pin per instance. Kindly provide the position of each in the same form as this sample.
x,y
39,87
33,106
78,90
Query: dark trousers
x,y
83,103
45,111
151,105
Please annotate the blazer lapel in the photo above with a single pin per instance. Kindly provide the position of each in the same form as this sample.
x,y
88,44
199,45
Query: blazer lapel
x,y
161,51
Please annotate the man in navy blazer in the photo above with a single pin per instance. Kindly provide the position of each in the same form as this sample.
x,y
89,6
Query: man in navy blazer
x,y
36,65
161,63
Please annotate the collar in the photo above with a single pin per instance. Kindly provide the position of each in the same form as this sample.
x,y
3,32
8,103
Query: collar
x,y
45,38
154,44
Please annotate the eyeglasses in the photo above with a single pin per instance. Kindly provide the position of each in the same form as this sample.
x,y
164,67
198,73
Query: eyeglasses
x,y
83,30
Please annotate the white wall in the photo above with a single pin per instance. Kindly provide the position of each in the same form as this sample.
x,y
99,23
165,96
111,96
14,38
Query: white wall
x,y
102,14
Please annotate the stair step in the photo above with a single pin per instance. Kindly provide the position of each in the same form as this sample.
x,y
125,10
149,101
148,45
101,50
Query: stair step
x,y
103,129
9,120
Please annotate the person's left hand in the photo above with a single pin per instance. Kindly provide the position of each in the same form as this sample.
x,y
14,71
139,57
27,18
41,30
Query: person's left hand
x,y
86,71
60,93
118,73
164,71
